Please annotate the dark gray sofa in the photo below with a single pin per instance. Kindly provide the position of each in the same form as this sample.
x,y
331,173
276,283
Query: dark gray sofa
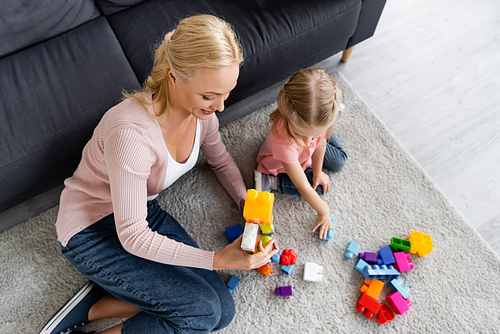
x,y
64,63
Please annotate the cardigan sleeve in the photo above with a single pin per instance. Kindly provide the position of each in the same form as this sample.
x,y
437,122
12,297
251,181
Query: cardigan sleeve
x,y
221,162
129,156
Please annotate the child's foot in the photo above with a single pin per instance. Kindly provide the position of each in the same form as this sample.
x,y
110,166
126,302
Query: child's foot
x,y
265,182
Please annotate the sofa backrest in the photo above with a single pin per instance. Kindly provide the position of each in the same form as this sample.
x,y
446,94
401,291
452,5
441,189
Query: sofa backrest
x,y
24,23
109,7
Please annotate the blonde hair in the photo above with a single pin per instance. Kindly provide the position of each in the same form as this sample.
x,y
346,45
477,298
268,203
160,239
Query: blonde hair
x,y
309,98
200,41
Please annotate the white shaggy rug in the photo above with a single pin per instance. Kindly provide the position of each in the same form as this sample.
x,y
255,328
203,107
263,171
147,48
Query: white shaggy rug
x,y
381,193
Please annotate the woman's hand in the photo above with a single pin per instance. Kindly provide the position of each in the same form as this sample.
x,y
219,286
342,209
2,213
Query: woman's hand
x,y
321,179
233,257
326,225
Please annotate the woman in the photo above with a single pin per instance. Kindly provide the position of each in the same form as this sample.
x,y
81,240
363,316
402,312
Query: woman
x,y
110,225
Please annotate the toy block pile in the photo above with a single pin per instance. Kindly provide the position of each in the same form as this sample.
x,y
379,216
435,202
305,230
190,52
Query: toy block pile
x,y
259,227
258,214
389,263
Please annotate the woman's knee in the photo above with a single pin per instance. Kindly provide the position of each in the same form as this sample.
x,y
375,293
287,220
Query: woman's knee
x,y
227,311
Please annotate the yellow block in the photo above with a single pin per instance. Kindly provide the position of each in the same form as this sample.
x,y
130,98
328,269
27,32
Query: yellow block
x,y
372,288
259,207
420,243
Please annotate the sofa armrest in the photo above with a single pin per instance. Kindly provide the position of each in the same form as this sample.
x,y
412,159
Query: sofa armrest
x,y
371,10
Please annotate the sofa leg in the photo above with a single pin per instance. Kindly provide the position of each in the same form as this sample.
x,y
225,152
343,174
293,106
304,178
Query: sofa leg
x,y
346,54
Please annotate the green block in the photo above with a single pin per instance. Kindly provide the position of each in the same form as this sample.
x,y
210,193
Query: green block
x,y
265,239
400,245
266,229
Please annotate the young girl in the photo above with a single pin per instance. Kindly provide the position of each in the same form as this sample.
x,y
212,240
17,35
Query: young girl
x,y
301,142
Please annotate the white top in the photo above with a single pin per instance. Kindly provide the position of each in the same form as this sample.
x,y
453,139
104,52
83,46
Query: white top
x,y
176,169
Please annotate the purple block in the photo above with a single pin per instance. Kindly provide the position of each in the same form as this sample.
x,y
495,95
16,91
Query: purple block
x,y
284,291
368,257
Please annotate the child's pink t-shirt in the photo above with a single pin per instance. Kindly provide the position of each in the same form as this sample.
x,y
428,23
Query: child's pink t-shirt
x,y
281,148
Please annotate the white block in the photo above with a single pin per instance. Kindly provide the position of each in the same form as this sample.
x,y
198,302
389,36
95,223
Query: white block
x,y
313,272
250,234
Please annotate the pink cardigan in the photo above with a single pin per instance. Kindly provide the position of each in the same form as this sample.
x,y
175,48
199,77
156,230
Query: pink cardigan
x,y
124,162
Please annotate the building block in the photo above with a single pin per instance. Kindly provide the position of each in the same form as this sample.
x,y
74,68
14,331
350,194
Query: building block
x,y
276,258
385,314
380,272
313,272
265,240
250,237
385,256
288,257
233,233
400,245
330,234
287,269
372,288
259,207
360,265
267,229
397,285
399,304
368,257
351,249
265,269
233,282
403,262
367,305
421,244
283,291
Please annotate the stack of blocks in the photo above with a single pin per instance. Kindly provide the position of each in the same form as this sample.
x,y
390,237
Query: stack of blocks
x,y
390,262
259,227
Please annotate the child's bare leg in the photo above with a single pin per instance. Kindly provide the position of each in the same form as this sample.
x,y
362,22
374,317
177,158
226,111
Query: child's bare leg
x,y
112,307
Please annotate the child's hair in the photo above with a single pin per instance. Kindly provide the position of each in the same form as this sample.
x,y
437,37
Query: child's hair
x,y
309,98
200,41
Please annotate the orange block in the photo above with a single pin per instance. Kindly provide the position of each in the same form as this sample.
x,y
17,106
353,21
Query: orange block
x,y
265,269
420,243
372,288
259,207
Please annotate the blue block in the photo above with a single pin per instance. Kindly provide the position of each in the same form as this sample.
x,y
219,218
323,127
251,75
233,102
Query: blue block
x,y
385,256
276,258
287,269
397,285
351,249
233,232
360,265
382,272
233,282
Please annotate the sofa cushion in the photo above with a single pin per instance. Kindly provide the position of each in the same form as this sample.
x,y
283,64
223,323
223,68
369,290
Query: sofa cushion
x,y
53,96
24,23
278,38
109,7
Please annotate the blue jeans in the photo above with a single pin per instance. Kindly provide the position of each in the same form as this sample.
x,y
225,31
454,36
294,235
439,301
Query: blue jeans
x,y
334,160
172,299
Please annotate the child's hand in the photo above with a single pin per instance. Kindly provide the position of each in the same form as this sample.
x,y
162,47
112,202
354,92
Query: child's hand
x,y
326,225
321,179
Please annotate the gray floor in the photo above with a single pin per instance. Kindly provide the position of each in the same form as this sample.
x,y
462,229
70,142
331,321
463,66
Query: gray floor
x,y
430,74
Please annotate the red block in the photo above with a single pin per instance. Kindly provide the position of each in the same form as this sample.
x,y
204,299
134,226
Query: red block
x,y
367,305
385,314
288,257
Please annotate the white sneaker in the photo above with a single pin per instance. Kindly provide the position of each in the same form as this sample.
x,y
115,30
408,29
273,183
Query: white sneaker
x,y
265,182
